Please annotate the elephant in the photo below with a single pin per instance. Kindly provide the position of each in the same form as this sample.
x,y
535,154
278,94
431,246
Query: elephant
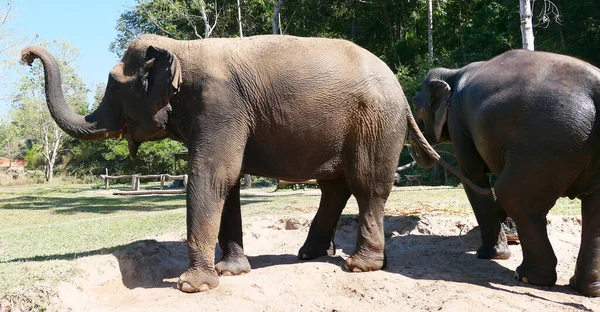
x,y
278,106
530,118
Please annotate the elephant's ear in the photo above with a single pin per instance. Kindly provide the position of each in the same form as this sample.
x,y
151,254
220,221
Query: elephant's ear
x,y
163,77
440,93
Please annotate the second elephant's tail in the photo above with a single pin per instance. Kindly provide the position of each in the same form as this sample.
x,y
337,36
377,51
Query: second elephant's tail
x,y
422,143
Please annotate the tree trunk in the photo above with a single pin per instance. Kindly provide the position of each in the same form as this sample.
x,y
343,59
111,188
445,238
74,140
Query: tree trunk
x,y
240,18
276,17
526,25
430,28
207,28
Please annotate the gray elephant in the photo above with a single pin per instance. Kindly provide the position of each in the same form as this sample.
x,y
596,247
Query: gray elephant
x,y
531,119
276,106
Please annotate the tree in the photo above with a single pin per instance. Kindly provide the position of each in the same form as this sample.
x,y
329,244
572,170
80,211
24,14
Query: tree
x,y
239,8
430,28
6,15
10,140
29,103
526,25
277,17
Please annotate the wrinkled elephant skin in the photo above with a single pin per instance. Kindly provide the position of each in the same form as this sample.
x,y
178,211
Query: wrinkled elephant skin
x,y
531,119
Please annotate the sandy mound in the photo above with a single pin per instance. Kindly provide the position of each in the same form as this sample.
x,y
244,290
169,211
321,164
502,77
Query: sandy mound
x,y
431,267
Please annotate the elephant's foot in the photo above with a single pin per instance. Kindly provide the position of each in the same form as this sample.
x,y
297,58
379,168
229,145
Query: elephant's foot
x,y
509,228
535,276
229,266
195,280
498,252
361,263
311,251
585,287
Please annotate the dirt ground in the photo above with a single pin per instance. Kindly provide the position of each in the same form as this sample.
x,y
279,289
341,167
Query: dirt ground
x,y
431,267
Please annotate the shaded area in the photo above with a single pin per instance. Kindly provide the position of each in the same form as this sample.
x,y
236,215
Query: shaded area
x,y
107,204
72,205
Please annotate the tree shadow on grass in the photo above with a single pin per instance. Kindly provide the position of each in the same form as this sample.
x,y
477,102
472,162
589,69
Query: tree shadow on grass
x,y
104,205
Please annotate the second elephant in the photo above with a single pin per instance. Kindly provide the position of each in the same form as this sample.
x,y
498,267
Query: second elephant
x,y
531,118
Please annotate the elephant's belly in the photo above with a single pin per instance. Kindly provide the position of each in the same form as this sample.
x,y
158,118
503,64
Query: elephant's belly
x,y
292,162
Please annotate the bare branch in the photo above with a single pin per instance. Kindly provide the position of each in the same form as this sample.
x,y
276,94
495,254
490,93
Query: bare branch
x,y
548,14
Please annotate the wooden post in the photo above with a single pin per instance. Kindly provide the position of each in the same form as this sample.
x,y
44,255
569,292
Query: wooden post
x,y
185,180
162,181
106,179
134,182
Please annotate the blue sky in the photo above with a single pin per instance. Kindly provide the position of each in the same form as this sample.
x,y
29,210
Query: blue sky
x,y
88,25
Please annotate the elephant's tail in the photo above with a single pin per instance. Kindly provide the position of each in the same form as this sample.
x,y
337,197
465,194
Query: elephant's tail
x,y
420,140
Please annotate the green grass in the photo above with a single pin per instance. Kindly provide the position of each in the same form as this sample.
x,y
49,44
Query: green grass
x,y
43,228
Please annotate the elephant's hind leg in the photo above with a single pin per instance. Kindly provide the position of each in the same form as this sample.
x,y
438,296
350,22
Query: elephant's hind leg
x,y
587,271
334,196
234,262
371,189
527,192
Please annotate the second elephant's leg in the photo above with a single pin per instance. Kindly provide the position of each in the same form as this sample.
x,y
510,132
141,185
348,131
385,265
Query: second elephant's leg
x,y
334,196
487,210
586,279
234,262
528,192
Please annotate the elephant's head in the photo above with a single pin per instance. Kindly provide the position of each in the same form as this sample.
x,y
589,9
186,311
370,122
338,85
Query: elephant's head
x,y
431,106
136,101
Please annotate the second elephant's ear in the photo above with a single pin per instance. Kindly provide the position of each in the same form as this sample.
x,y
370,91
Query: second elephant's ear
x,y
440,93
163,75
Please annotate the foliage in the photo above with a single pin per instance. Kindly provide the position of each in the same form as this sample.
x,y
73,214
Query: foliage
x,y
112,154
180,19
11,142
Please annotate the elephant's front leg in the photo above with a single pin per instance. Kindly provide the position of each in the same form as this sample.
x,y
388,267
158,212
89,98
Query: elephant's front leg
x,y
586,279
494,243
204,207
487,210
234,262
214,170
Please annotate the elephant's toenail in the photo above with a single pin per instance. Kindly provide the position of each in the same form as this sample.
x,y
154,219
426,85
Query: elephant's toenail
x,y
525,280
203,287
516,275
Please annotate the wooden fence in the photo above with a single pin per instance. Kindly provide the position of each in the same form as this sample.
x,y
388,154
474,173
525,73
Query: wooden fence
x,y
135,183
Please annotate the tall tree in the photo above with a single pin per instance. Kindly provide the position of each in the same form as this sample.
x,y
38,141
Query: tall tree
x,y
239,8
6,15
29,103
277,17
430,28
526,25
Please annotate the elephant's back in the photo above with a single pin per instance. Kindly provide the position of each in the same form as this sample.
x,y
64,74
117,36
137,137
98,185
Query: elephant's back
x,y
530,101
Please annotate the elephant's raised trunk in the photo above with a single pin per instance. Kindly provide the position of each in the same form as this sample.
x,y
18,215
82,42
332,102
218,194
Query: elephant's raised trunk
x,y
425,154
103,123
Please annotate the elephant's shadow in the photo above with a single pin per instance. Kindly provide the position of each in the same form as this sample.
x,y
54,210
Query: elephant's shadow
x,y
424,256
